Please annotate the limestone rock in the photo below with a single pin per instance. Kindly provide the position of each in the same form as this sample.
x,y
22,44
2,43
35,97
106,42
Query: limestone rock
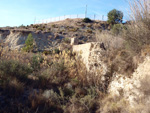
x,y
134,90
91,54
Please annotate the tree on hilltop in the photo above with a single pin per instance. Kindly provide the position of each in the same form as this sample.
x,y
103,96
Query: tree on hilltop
x,y
115,17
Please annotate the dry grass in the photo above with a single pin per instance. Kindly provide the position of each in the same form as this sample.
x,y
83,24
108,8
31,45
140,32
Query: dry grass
x,y
113,105
138,32
110,41
63,73
140,10
118,58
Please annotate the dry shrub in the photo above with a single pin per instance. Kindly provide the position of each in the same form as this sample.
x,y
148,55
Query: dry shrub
x,y
83,104
117,57
40,104
110,41
13,88
145,85
136,36
55,74
13,68
111,104
144,101
76,107
138,32
140,10
123,62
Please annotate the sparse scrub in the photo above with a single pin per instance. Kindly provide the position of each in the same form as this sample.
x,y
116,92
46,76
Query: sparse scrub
x,y
73,29
110,41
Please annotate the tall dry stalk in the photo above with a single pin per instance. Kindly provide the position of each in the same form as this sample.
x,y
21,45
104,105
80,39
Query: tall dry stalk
x,y
140,10
138,33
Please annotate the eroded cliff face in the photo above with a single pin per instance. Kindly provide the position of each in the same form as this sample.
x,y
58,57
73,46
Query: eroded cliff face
x,y
92,55
130,93
135,90
15,39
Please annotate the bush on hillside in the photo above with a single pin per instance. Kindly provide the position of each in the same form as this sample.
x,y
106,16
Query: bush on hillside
x,y
29,43
138,32
14,69
87,20
115,17
117,29
67,40
36,61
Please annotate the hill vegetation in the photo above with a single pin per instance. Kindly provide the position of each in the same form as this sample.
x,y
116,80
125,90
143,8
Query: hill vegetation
x,y
56,80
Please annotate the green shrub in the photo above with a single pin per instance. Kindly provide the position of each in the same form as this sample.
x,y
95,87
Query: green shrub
x,y
87,20
55,74
56,51
29,43
67,40
14,69
36,61
115,17
117,29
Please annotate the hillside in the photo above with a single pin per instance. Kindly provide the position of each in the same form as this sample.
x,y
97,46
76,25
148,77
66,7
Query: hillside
x,y
74,66
49,36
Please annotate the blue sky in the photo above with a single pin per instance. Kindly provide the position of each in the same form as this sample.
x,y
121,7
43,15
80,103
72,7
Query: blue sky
x,y
17,12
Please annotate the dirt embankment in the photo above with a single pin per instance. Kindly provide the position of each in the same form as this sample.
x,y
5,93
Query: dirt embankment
x,y
51,35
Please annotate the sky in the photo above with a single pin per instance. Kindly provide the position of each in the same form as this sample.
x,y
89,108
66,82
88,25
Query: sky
x,y
18,12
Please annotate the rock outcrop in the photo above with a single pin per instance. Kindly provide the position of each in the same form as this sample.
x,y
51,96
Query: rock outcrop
x,y
15,39
134,90
92,54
